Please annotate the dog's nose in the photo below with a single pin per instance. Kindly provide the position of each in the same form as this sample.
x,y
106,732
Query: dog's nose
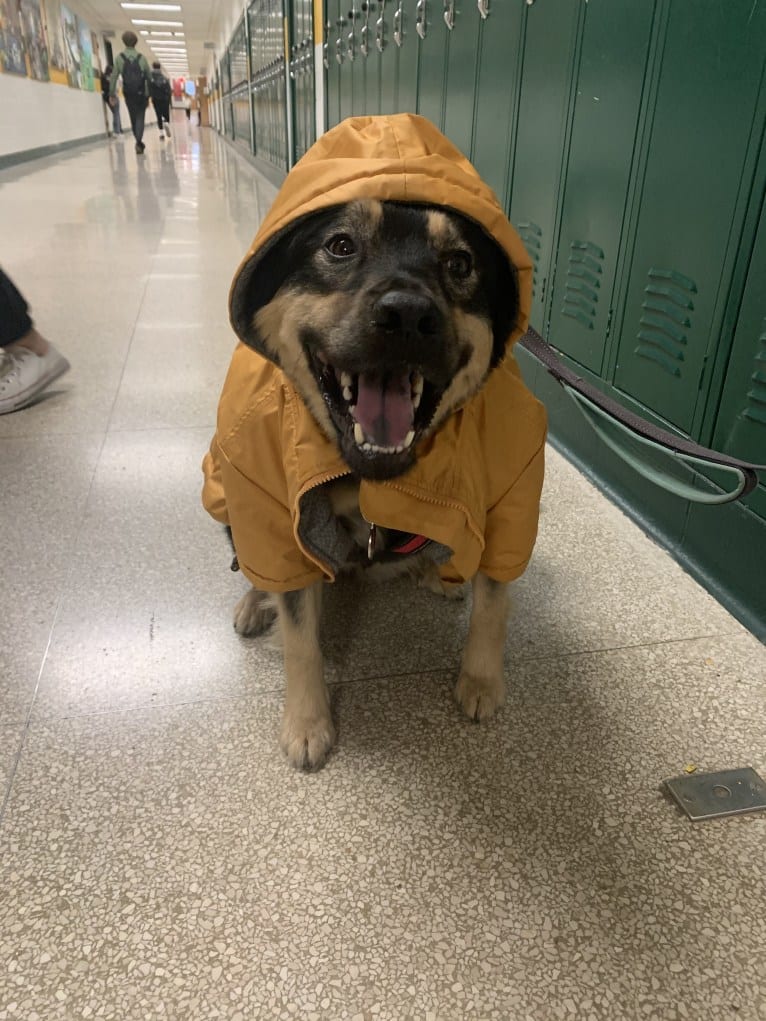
x,y
406,312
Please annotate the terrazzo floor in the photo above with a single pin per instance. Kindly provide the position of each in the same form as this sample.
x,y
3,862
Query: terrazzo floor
x,y
158,857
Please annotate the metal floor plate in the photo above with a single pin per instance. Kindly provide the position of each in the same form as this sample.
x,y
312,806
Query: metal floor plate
x,y
711,795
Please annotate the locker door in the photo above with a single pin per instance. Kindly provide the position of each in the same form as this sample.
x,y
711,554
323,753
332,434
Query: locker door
x,y
615,44
331,65
706,95
366,96
339,53
433,32
497,92
406,40
550,30
386,55
356,58
462,58
741,424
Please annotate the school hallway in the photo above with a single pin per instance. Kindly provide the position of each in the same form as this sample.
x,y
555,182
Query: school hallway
x,y
158,856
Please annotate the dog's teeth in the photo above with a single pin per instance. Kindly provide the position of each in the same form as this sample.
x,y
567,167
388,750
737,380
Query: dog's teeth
x,y
346,379
416,401
409,438
417,383
347,395
359,435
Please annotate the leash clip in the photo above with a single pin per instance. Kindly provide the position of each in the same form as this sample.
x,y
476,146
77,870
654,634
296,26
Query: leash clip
x,y
371,541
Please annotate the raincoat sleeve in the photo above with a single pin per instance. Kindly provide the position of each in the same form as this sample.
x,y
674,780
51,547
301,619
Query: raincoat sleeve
x,y
511,526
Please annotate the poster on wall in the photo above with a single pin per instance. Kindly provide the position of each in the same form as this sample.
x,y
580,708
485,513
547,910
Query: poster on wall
x,y
34,39
54,35
71,47
86,56
12,51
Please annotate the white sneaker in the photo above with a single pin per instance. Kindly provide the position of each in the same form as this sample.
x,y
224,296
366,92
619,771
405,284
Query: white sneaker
x,y
23,374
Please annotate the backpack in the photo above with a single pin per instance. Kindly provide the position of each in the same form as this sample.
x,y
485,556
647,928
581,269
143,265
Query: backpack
x,y
159,87
133,78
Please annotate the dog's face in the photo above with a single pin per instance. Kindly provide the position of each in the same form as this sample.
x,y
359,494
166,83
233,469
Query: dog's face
x,y
386,317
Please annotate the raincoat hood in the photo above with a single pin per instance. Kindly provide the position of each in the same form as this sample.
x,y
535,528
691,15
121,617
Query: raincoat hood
x,y
397,158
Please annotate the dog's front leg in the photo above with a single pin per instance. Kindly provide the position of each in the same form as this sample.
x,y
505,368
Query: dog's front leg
x,y
307,730
481,685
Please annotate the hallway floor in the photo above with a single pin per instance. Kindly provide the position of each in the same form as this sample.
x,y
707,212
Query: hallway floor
x,y
160,859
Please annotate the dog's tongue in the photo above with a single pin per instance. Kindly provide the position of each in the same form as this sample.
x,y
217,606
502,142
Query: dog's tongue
x,y
384,408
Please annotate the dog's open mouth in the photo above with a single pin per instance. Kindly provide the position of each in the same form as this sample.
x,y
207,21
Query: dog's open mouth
x,y
383,412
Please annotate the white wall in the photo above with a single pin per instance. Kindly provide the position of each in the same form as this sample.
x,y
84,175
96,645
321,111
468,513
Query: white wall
x,y
33,114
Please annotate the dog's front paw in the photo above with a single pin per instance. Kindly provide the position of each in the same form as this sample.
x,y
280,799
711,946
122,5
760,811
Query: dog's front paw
x,y
254,613
479,697
307,740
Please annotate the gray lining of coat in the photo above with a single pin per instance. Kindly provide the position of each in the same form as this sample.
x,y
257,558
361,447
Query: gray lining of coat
x,y
322,533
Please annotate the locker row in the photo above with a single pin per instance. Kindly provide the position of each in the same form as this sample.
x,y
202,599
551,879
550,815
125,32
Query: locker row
x,y
625,141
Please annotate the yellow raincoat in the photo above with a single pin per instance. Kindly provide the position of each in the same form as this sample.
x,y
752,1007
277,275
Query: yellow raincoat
x,y
475,487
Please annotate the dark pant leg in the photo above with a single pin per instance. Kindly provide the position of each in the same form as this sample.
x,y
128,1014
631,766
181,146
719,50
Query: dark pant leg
x,y
163,113
14,320
137,111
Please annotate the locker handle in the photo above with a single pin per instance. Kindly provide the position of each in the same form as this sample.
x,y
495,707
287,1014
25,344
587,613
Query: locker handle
x,y
380,28
398,37
351,49
449,14
420,18
483,6
364,48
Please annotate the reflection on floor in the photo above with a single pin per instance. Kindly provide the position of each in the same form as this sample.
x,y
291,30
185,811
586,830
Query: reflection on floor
x,y
158,858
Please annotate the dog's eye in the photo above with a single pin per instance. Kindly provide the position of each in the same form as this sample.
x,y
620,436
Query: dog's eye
x,y
459,264
341,246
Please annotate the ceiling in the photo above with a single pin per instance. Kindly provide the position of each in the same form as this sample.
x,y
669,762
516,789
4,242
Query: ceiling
x,y
201,22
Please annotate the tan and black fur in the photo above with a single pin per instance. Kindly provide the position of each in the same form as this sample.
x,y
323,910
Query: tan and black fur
x,y
394,292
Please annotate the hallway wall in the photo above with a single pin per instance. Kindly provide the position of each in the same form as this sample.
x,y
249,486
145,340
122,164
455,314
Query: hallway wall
x,y
35,114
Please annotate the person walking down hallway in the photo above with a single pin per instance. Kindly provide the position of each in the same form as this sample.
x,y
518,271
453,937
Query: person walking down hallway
x,y
135,73
159,90
28,362
113,108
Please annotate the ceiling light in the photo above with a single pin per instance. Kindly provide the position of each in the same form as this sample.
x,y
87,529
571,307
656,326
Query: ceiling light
x,y
166,42
153,34
143,21
151,7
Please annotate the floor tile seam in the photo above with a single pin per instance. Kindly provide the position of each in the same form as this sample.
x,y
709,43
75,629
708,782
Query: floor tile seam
x,y
65,587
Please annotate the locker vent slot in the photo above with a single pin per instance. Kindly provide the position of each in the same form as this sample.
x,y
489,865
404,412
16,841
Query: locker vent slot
x,y
666,319
582,283
756,397
531,235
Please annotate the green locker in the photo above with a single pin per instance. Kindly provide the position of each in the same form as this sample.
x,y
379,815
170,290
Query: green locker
x,y
331,65
497,90
550,33
432,31
302,75
386,51
741,423
406,40
462,20
613,56
339,51
697,150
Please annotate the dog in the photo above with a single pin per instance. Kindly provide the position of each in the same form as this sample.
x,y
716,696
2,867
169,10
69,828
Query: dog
x,y
382,330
